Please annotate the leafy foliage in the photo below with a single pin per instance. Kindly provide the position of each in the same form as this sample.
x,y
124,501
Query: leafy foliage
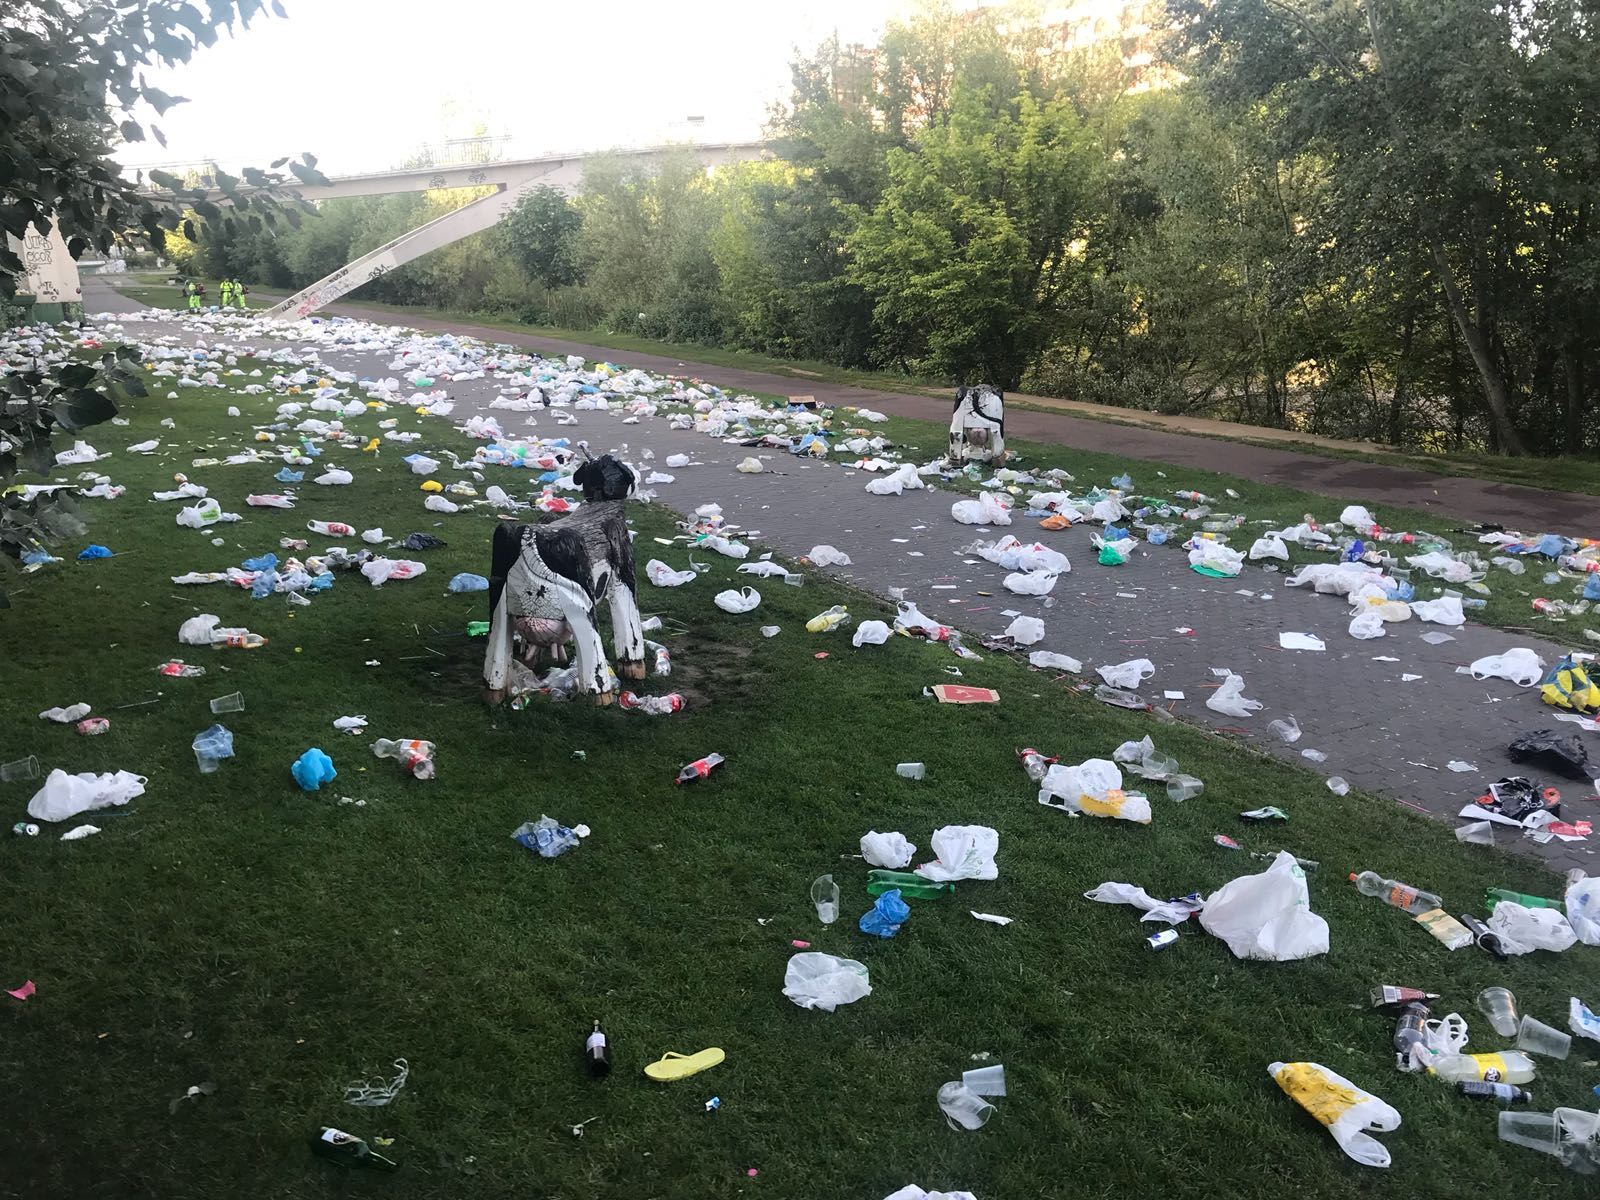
x,y
541,233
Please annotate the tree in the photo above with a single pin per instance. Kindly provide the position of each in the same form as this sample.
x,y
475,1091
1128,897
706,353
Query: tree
x,y
971,252
541,234
71,78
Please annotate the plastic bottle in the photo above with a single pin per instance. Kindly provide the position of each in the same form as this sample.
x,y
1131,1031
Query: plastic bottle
x,y
597,1052
827,622
699,768
1504,1092
1034,763
910,885
656,706
1392,891
349,1151
1494,896
1411,1029
243,640
414,755
1508,1066
1120,697
330,528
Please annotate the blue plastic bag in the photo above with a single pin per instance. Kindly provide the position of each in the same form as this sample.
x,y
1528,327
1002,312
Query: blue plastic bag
x,y
1355,550
288,476
313,769
261,562
89,552
1591,586
1123,483
468,582
263,584
886,915
545,837
214,743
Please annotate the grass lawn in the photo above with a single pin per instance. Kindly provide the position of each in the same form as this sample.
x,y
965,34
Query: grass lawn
x,y
232,928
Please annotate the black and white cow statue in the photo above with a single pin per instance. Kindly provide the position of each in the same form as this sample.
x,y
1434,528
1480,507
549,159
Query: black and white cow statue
x,y
978,426
547,580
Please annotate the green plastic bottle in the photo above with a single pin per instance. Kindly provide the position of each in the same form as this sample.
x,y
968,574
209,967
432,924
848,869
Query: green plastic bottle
x,y
911,885
1494,895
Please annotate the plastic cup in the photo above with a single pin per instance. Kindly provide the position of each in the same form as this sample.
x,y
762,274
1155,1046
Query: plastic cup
x,y
1538,1038
911,770
986,1081
1184,787
825,895
963,1107
228,704
1288,731
206,763
1160,766
1500,1006
1536,1131
23,768
794,579
1337,785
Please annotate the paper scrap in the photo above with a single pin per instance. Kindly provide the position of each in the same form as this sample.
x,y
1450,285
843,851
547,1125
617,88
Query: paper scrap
x,y
1301,641
1459,767
27,989
990,917
1409,678
82,831
958,693
1172,696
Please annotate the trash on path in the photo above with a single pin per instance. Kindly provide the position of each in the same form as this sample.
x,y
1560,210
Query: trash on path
x,y
1128,674
1051,661
1549,749
313,769
886,915
1568,685
1347,1110
814,980
1267,916
989,508
828,556
1520,665
66,796
1338,785
377,1091
1286,731
546,837
1229,699
1025,631
1300,641
890,850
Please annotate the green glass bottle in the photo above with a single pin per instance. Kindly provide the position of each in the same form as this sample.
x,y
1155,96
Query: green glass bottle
x,y
911,885
1494,895
349,1151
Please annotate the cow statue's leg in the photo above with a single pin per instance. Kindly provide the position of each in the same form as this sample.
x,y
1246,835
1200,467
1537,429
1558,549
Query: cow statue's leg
x,y
507,545
563,562
627,629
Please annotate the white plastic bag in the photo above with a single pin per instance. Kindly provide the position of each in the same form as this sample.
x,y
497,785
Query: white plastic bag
x,y
1522,930
1441,566
658,573
1025,631
1583,906
1049,660
1128,674
962,852
380,571
988,509
1367,625
1230,700
334,477
1358,518
912,1192
1267,916
741,601
896,482
1269,546
1173,912
870,633
827,556
65,796
1519,664
823,981
199,631
1214,556
421,464
750,466
1030,583
1348,1111
765,568
1444,611
889,850
437,503
1092,787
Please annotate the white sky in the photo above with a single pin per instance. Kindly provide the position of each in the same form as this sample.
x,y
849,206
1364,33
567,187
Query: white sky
x,y
363,83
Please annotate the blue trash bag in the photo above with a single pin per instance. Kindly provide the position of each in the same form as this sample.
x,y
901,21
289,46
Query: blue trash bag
x,y
468,582
265,582
1355,550
1400,589
288,476
216,742
313,769
261,562
89,552
886,915
1553,545
1591,586
320,583
1115,533
546,837
1157,536
1123,483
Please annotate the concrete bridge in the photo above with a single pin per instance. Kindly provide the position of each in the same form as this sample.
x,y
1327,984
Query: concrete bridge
x,y
511,179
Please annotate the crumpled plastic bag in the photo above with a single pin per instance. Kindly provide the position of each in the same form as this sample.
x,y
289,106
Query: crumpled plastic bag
x,y
824,981
1015,555
1215,558
750,466
1519,664
1025,631
962,852
870,633
1446,610
1269,546
889,850
1552,750
658,573
1267,916
1367,625
1092,787
334,477
546,837
1173,912
1522,930
828,556
912,1192
1335,579
896,482
66,716
1049,660
988,509
741,601
1128,674
65,796
1441,565
1583,906
313,769
380,571
1358,518
887,914
1348,1111
466,581
1031,583
1230,700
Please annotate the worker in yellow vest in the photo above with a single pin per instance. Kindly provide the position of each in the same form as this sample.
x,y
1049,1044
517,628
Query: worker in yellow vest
x,y
239,290
226,288
192,290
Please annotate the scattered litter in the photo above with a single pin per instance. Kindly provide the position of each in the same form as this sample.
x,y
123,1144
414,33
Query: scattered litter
x,y
1300,641
956,693
377,1091
814,980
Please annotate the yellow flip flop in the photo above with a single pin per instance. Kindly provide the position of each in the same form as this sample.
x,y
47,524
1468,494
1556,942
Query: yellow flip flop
x,y
672,1066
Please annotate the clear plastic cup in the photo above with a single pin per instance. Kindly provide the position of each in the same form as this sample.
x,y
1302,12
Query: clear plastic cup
x,y
963,1107
911,770
1538,1038
21,769
1337,785
825,895
1160,766
986,1081
1184,787
1536,1131
228,704
795,579
1500,1006
1287,731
